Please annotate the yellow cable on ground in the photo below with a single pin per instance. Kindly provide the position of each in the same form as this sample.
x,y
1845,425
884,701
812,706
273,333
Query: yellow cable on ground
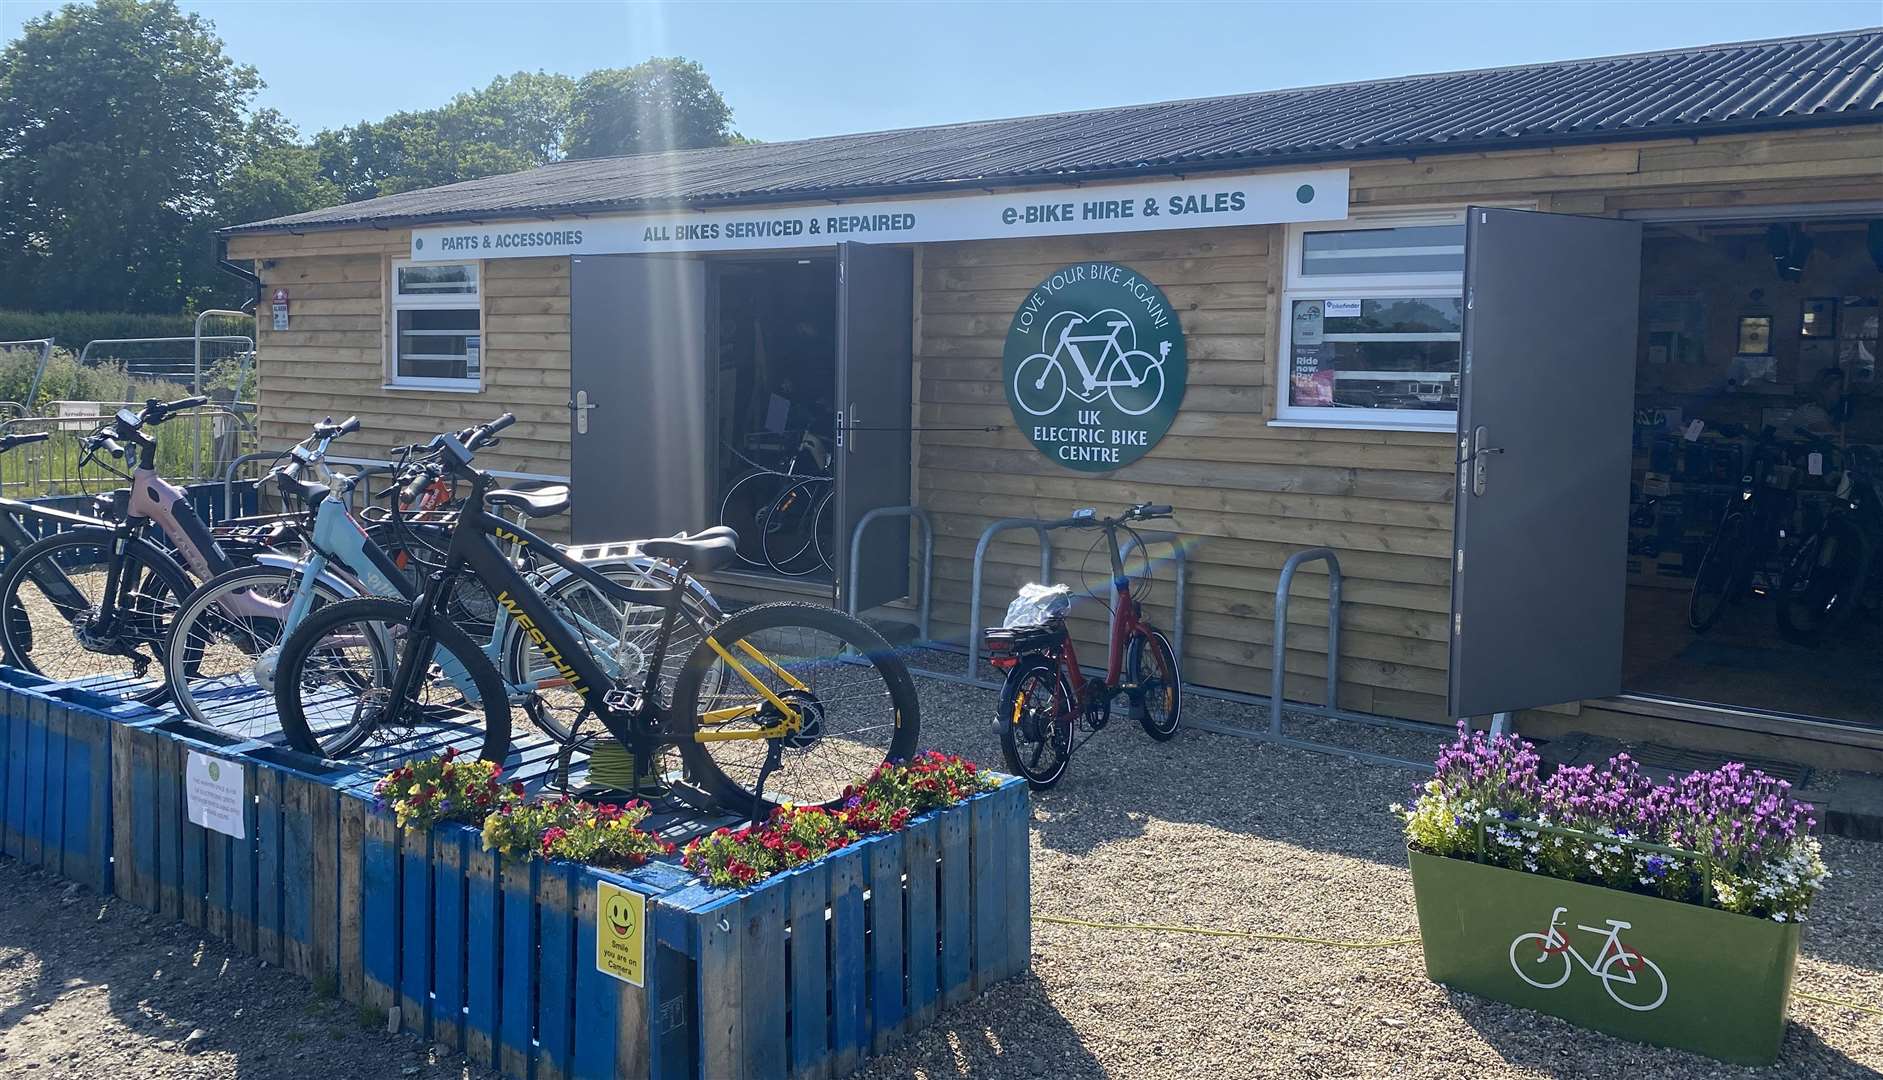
x,y
1839,1002
1252,935
1302,939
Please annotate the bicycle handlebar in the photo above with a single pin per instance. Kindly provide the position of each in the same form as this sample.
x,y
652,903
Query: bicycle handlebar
x,y
1089,519
8,442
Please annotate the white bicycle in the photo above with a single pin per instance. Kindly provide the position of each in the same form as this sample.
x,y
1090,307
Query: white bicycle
x,y
1618,966
1132,378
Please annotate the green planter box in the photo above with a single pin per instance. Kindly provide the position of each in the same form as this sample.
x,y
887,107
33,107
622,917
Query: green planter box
x,y
1673,974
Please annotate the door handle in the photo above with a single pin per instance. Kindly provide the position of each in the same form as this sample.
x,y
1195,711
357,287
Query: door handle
x,y
1480,454
580,407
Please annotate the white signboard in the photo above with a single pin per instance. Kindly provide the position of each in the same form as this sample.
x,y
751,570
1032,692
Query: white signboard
x,y
214,790
1201,203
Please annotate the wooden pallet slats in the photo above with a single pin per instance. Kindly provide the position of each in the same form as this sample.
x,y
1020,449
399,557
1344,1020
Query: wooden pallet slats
x,y
809,889
803,976
415,930
988,882
483,945
448,942
516,1013
888,1008
555,972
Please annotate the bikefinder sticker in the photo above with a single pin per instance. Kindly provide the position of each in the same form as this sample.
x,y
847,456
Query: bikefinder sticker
x,y
1094,366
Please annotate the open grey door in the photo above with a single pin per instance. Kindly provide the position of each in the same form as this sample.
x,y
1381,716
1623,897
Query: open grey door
x,y
875,365
637,409
1545,411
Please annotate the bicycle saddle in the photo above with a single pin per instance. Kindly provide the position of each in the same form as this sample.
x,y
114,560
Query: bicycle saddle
x,y
546,501
709,550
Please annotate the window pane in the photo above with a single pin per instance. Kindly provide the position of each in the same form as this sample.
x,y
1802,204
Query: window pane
x,y
1376,353
1418,249
439,343
441,279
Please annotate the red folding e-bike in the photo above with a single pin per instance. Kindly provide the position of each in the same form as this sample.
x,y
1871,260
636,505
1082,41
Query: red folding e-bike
x,y
1047,699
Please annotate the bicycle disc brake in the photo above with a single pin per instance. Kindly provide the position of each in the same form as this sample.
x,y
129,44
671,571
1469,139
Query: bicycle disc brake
x,y
810,712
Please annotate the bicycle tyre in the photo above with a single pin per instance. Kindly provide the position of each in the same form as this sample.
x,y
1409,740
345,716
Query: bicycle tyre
x,y
186,643
767,622
1027,735
1719,574
785,544
161,584
556,720
1151,661
750,527
292,672
1821,581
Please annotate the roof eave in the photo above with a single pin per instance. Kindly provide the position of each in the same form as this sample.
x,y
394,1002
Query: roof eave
x,y
1024,180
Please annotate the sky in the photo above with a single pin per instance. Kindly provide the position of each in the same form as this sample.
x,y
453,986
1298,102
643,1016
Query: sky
x,y
794,70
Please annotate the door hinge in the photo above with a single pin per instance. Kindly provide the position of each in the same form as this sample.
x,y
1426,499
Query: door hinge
x,y
1457,624
1461,561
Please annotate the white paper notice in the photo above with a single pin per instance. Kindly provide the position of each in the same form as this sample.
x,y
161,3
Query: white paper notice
x,y
215,794
1695,429
1814,464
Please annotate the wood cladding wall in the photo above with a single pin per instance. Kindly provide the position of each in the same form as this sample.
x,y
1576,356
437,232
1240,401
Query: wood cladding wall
x,y
1247,493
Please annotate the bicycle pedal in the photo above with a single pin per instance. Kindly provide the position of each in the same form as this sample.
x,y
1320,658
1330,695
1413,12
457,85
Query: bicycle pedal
x,y
622,699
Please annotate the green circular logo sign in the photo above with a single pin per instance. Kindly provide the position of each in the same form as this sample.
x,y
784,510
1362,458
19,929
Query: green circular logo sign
x,y
1094,366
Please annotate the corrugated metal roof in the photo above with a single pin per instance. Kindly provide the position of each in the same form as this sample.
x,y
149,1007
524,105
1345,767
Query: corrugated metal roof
x,y
1794,82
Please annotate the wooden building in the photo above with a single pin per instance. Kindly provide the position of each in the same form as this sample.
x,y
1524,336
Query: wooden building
x,y
663,326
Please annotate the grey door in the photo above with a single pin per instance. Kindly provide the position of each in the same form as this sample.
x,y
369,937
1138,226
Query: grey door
x,y
875,364
637,382
1545,416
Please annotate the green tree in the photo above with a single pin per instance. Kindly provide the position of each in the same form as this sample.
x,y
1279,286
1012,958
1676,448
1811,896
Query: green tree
x,y
667,103
119,123
515,123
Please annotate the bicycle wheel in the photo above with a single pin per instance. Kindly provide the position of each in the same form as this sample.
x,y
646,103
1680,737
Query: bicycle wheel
x,y
54,590
1720,573
856,699
1151,666
620,635
788,533
1039,384
1821,581
225,640
743,509
334,684
1036,707
1137,385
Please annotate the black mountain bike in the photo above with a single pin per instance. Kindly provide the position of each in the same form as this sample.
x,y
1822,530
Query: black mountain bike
x,y
792,701
1748,537
1835,569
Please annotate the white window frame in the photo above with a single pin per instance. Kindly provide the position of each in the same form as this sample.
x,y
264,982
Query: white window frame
x,y
1297,286
445,301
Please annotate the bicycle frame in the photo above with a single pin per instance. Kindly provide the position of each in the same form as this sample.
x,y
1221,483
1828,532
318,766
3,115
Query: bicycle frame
x,y
1127,620
473,549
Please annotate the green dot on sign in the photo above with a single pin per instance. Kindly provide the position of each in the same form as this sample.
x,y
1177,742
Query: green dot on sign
x,y
1304,193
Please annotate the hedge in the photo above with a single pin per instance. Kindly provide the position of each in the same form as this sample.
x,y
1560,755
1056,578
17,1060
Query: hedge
x,y
72,329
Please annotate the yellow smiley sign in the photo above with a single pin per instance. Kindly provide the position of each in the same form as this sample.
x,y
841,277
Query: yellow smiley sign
x,y
620,933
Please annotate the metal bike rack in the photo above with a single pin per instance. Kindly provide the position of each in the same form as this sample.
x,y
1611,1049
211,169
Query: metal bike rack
x,y
1277,701
1040,528
921,517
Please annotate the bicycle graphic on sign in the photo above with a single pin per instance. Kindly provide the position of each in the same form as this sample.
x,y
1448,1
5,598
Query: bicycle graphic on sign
x,y
1131,378
1624,972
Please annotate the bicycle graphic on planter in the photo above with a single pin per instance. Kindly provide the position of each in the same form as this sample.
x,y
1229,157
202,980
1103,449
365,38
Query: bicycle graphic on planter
x,y
1617,965
1132,378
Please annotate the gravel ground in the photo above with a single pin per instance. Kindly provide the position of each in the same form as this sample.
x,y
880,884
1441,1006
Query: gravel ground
x,y
1206,830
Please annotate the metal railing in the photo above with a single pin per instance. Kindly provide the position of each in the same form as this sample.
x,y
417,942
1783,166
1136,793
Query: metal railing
x,y
1040,528
925,604
1277,702
51,468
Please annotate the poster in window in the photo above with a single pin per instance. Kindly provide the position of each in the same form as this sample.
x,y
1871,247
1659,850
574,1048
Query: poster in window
x,y
1755,335
1308,322
1819,319
1310,383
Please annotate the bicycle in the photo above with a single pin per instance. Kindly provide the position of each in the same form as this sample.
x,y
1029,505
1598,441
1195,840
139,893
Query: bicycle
x,y
1142,374
1046,695
224,647
48,587
796,691
789,509
1628,963
1748,536
1835,569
